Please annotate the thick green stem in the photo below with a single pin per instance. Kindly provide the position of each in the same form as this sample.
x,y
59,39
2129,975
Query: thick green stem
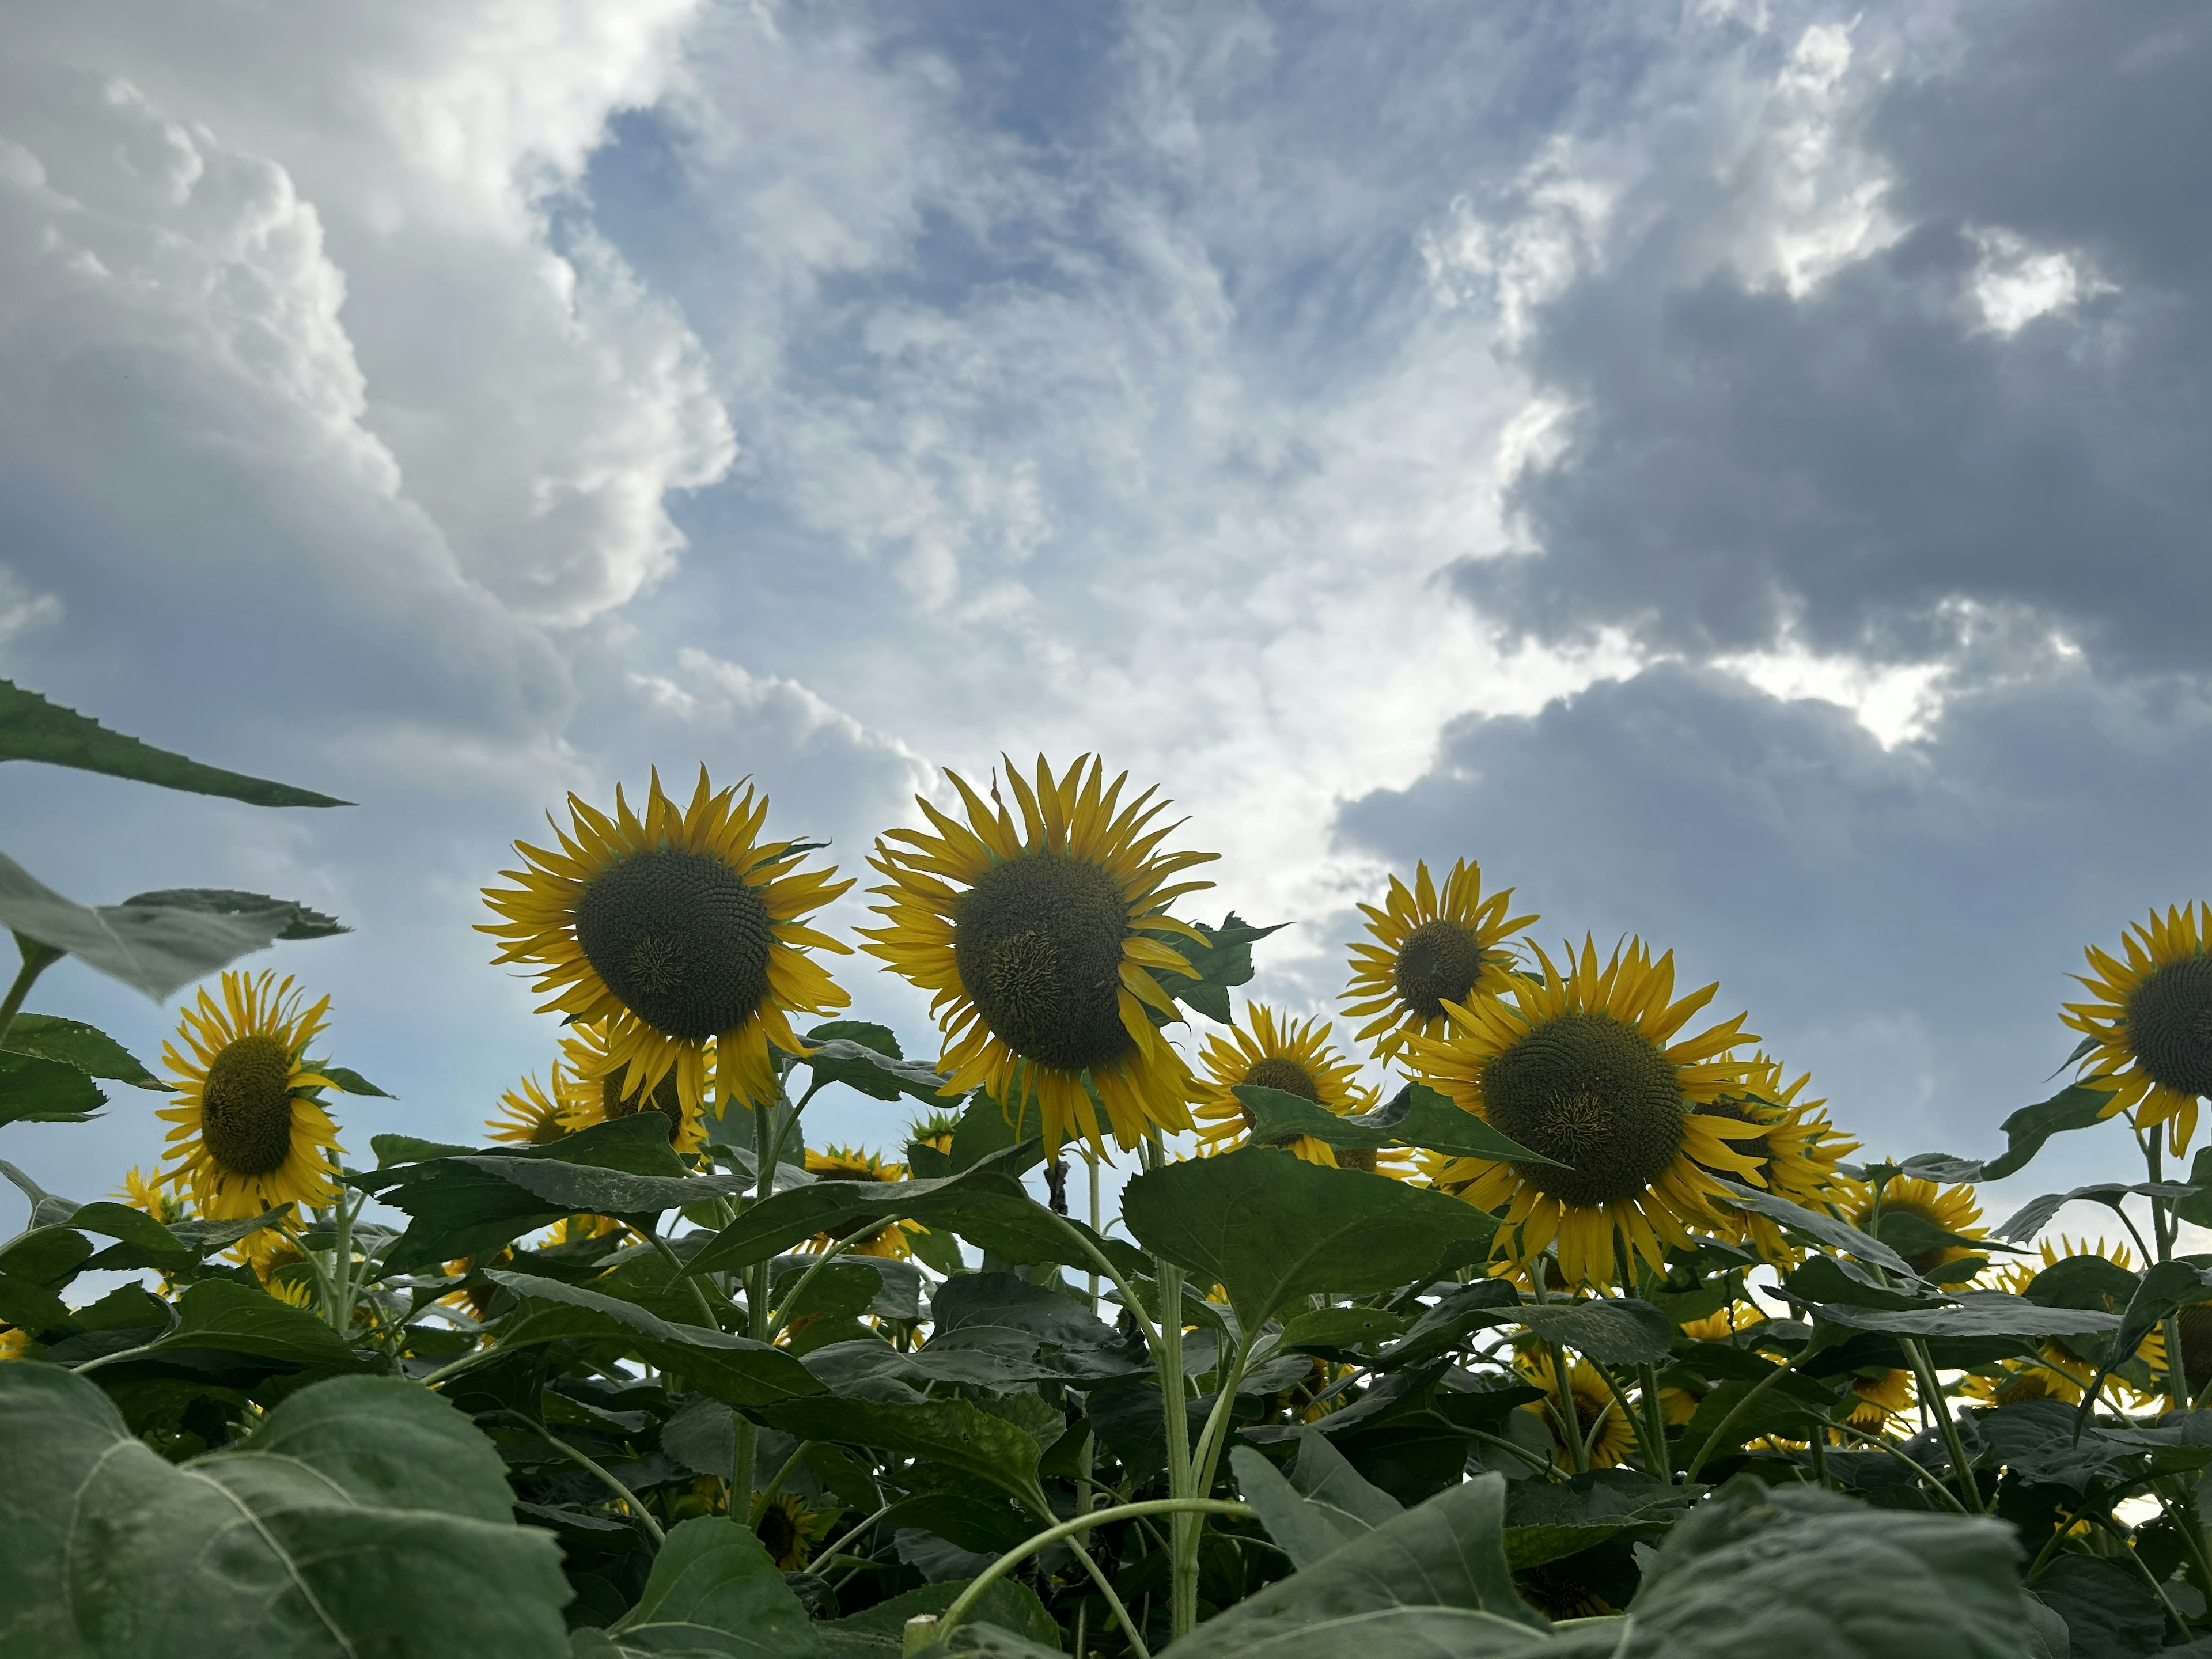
x,y
37,958
1931,1390
765,1495
1569,1415
1655,1416
1182,1529
1719,1436
965,1602
1655,1459
598,1471
837,1248
698,1292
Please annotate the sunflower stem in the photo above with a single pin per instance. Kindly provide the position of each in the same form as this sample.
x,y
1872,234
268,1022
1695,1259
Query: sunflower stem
x,y
598,1471
1923,1370
1655,1413
37,958
1182,1545
779,1318
1655,1461
1882,1442
1718,1436
765,1495
1570,1415
660,1247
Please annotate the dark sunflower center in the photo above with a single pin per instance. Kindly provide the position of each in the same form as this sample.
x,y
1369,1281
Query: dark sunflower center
x,y
680,937
1355,1157
246,1107
1440,962
2028,1385
1276,1072
777,1531
1586,1090
1921,1261
2170,1025
2196,1346
1037,943
663,1099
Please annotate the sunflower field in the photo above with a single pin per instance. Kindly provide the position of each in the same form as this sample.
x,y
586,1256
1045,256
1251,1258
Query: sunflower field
x,y
1531,1309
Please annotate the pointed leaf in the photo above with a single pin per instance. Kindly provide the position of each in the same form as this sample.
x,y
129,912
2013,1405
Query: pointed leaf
x,y
30,728
1223,961
36,1091
949,1432
715,1591
73,1042
1307,1529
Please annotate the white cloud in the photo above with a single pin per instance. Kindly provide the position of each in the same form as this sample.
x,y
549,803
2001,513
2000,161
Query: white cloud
x,y
2015,282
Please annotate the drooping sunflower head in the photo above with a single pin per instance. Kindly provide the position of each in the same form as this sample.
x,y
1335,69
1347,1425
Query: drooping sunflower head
x,y
1877,1396
2012,1380
669,929
266,1249
602,1089
1601,1420
2149,1021
1040,942
1799,1151
251,1131
1953,1209
1274,1053
1589,1066
854,1164
143,1192
788,1529
532,1114
1429,950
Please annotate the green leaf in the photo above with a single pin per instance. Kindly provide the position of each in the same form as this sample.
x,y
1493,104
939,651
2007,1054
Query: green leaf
x,y
713,1591
985,1127
735,1369
1623,1333
1008,1301
75,1043
1757,1572
300,922
951,1433
351,1081
1431,1581
1335,1330
2077,1106
2166,1287
1974,1314
1415,1116
1308,1530
223,1314
30,728
1814,1224
155,949
1223,961
879,1076
2109,1612
2033,1217
1271,1226
36,1091
1549,1520
365,1515
1444,1326
865,1032
878,1632
34,1266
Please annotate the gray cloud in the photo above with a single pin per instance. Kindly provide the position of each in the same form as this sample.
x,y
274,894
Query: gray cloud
x,y
1850,463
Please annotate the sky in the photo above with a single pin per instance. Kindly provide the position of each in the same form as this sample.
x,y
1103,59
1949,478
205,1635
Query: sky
x,y
1735,468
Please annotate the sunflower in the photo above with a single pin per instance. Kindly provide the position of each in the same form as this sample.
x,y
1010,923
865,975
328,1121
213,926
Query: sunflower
x,y
1600,1418
12,1343
265,1250
789,1529
251,1132
292,1293
1953,1209
143,1192
934,1130
2149,1030
671,929
1297,1058
1037,943
533,1113
603,1094
2068,1365
1877,1397
1797,1148
851,1164
1584,1065
1429,950
2016,1380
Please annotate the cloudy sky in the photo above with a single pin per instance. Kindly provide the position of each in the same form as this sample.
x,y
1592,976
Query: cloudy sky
x,y
1737,470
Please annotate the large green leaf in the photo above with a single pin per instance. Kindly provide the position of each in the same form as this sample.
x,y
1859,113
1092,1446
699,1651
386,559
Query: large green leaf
x,y
1813,1224
735,1369
1221,963
874,1073
1549,1519
1975,1313
158,948
1416,1115
73,1042
30,728
951,1433
2077,1106
2109,1612
1306,1529
1270,1226
1431,1581
1755,1572
234,1318
36,1091
1623,1333
300,922
364,1516
712,1592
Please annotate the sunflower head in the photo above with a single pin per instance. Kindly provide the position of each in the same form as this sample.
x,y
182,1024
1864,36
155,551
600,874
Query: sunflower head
x,y
602,1091
2015,1381
854,1164
934,1130
2148,1026
12,1343
1877,1396
532,1115
143,1192
1426,951
1601,1420
1953,1209
1589,1067
1271,1052
1799,1153
670,928
789,1529
251,1131
1040,942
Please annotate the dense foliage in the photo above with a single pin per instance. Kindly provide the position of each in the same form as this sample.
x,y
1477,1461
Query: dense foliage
x,y
1511,1362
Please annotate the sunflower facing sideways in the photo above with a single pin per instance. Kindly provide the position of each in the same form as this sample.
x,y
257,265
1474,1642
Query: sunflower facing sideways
x,y
851,1164
1950,1209
602,1092
1429,950
669,929
2149,1030
1038,942
1587,1066
788,1529
1297,1058
531,1114
251,1131
1608,1435
1798,1151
